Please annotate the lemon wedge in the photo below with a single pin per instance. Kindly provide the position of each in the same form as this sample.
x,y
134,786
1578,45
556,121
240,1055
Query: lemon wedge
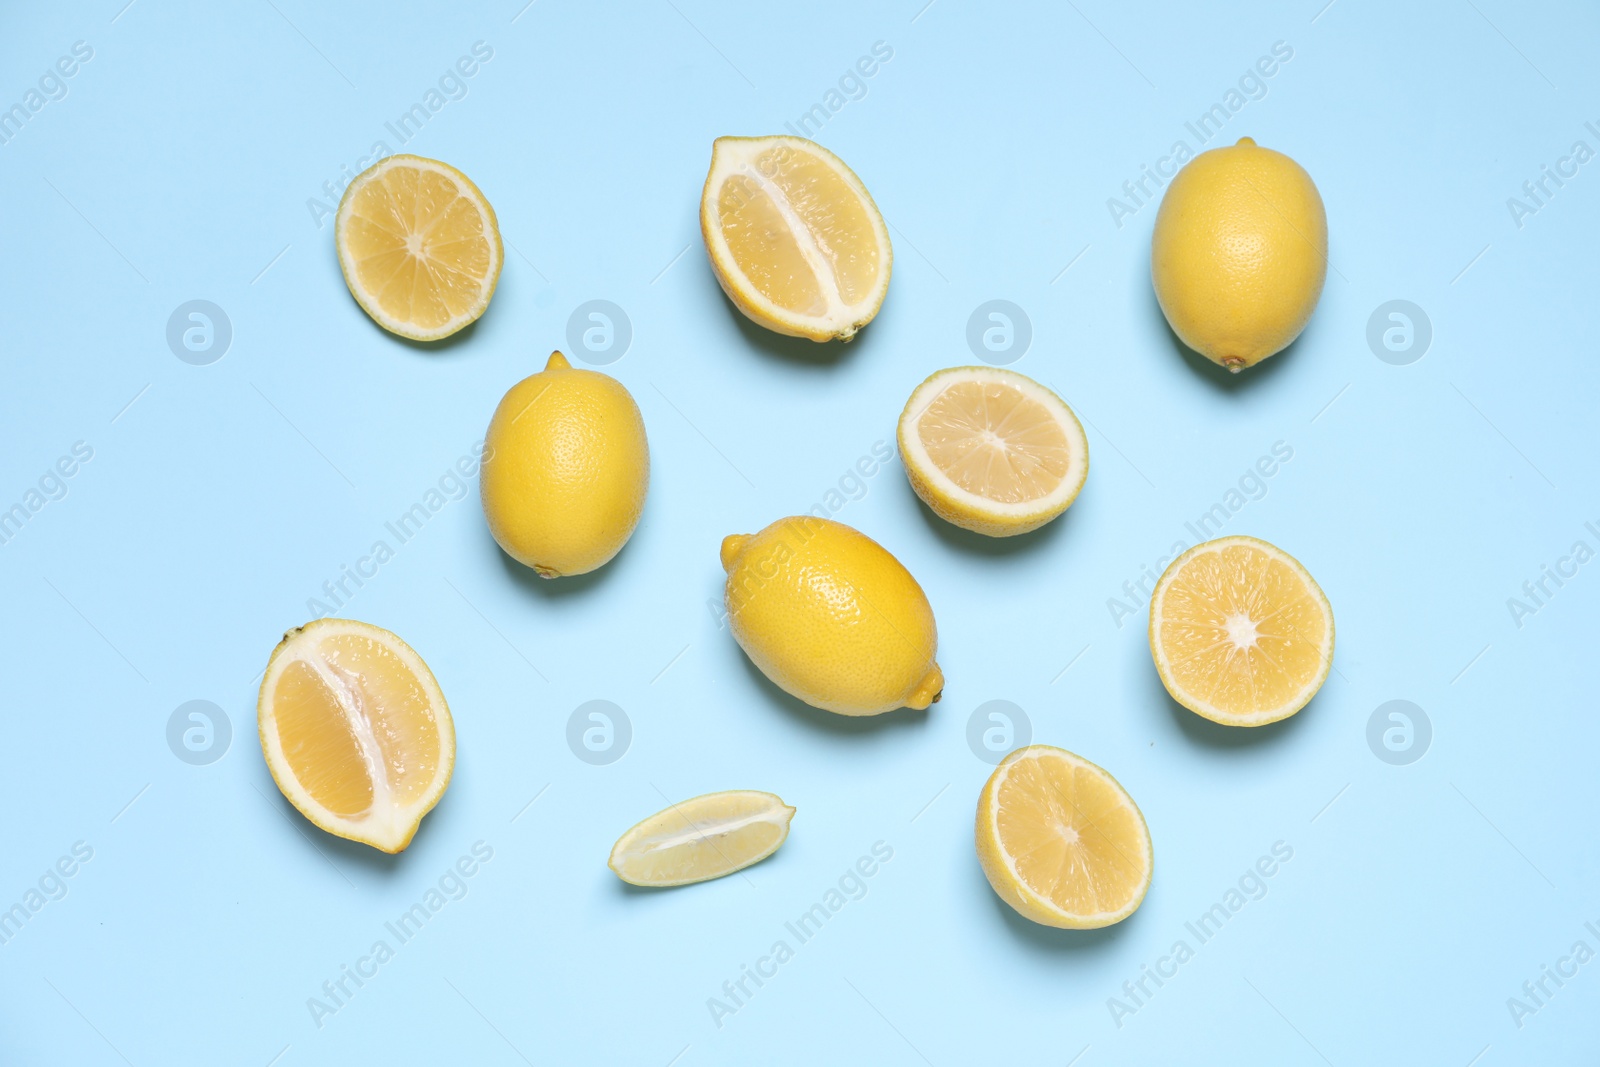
x,y
1061,841
794,237
1240,632
991,450
703,838
355,731
419,246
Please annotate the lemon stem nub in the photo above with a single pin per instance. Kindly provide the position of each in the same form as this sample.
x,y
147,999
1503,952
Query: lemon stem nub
x,y
557,362
730,548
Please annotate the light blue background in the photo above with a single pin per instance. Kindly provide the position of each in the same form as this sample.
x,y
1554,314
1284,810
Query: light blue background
x,y
179,167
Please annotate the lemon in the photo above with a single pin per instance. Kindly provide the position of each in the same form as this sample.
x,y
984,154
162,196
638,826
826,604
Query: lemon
x,y
1061,841
565,469
794,237
1240,632
419,246
831,617
1239,253
355,731
703,838
991,450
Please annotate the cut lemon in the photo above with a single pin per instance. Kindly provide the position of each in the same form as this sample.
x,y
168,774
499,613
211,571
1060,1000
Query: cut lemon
x,y
355,731
1240,632
703,838
419,246
794,237
991,450
1061,841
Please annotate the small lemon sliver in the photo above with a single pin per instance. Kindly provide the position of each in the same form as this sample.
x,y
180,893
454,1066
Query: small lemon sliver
x,y
992,450
794,237
419,246
702,838
1061,841
1240,632
355,731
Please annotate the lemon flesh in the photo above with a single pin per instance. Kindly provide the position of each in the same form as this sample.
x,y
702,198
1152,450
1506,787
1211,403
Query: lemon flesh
x,y
565,470
991,450
794,237
1061,841
831,617
355,731
1240,632
702,838
1239,253
419,246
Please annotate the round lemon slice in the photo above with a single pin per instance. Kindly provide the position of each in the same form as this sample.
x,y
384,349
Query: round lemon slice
x,y
703,838
1061,841
1240,632
991,450
794,237
419,246
355,731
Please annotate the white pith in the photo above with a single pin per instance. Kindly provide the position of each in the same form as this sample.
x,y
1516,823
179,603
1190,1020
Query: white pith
x,y
916,452
383,824
414,245
1242,631
736,155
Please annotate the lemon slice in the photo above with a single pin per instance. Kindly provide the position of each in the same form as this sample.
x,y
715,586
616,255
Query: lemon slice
x,y
355,731
1240,632
794,237
991,450
1061,841
419,246
703,838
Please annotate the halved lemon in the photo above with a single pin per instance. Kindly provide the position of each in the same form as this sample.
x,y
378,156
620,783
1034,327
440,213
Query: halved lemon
x,y
355,731
419,246
1240,632
794,237
702,838
991,450
1061,841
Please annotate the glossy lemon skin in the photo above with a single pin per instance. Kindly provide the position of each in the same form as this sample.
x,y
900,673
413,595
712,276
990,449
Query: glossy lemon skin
x,y
831,617
565,471
1239,253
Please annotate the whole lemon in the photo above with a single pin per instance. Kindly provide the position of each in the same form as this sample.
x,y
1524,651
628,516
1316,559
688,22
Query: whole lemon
x,y
565,469
831,617
1239,254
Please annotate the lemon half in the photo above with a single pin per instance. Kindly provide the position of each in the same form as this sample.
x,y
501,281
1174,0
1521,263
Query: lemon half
x,y
794,237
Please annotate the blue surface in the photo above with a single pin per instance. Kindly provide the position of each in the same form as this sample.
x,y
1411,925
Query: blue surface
x,y
219,498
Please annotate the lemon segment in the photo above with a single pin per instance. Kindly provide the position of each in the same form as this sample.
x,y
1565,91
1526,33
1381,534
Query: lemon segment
x,y
419,246
1061,841
1240,632
794,237
566,468
831,618
991,450
703,838
355,731
1239,253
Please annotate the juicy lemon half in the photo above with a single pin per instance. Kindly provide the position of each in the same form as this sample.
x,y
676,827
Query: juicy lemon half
x,y
794,237
1240,632
703,838
991,450
1061,841
355,731
419,246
